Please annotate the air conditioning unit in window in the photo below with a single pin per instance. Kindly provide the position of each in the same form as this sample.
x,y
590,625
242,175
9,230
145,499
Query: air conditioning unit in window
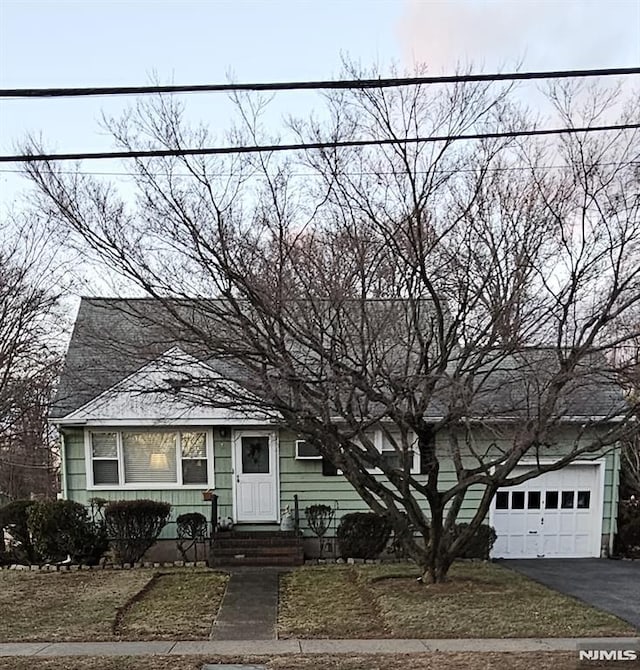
x,y
306,451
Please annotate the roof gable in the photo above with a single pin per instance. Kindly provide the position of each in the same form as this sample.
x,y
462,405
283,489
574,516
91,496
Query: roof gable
x,y
111,339
157,392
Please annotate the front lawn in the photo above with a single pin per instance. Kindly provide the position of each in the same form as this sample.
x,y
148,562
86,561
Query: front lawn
x,y
481,600
178,606
108,605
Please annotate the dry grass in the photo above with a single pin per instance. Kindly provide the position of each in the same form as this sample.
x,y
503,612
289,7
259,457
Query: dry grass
x,y
64,606
433,661
327,602
480,600
108,605
178,605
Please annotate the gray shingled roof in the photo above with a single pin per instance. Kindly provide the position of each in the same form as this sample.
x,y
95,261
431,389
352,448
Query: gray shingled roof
x,y
517,383
113,338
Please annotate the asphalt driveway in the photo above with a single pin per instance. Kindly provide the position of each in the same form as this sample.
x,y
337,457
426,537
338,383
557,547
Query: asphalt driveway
x,y
612,586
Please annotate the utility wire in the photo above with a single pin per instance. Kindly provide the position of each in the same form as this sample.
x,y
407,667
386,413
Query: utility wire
x,y
268,148
311,85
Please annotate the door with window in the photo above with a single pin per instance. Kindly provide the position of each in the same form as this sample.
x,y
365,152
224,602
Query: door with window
x,y
556,515
256,476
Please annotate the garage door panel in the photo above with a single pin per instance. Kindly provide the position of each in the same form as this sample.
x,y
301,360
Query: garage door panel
x,y
567,544
583,543
516,544
585,477
531,543
583,523
567,524
553,480
550,544
555,515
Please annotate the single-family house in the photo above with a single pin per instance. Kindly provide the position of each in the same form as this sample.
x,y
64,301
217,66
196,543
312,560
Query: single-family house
x,y
123,438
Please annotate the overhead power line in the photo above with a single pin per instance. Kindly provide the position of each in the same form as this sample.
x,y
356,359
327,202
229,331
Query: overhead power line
x,y
311,85
268,148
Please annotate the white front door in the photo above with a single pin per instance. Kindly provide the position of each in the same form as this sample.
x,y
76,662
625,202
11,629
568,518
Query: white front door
x,y
256,476
555,515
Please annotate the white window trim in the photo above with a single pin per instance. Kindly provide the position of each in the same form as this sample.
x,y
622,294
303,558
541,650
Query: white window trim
x,y
147,486
378,442
305,458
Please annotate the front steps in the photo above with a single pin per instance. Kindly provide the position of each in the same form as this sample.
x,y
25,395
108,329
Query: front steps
x,y
256,548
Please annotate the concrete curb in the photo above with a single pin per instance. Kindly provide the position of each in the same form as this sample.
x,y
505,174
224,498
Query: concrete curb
x,y
297,646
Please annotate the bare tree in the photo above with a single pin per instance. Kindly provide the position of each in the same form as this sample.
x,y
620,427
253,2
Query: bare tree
x,y
630,478
630,455
29,362
460,296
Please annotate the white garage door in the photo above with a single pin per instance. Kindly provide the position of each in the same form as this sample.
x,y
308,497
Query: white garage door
x,y
556,515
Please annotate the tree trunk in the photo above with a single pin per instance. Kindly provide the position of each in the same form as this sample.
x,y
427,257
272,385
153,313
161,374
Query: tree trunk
x,y
437,570
437,560
435,574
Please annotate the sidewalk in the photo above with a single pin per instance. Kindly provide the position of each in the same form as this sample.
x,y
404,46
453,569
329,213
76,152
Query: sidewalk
x,y
273,647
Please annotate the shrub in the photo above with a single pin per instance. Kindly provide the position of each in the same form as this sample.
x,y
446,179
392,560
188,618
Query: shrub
x,y
191,528
319,519
13,519
480,544
63,528
628,539
133,526
362,535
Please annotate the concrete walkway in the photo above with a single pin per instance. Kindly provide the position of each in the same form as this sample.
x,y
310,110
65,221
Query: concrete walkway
x,y
250,605
276,647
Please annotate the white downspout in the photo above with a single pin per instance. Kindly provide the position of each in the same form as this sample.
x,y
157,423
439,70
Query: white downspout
x,y
63,465
613,519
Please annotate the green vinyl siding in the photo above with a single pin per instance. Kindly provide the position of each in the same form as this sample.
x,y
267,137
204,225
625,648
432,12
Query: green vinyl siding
x,y
181,500
303,478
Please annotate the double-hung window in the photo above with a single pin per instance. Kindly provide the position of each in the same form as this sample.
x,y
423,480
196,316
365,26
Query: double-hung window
x,y
370,436
144,458
104,458
194,458
390,448
393,454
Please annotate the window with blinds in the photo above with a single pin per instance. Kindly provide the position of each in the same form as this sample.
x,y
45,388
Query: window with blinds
x,y
149,457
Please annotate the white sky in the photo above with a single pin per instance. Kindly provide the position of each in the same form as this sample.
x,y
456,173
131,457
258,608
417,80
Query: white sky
x,y
122,42
49,43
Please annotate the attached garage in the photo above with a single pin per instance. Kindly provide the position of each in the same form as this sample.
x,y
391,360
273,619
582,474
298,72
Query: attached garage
x,y
555,515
